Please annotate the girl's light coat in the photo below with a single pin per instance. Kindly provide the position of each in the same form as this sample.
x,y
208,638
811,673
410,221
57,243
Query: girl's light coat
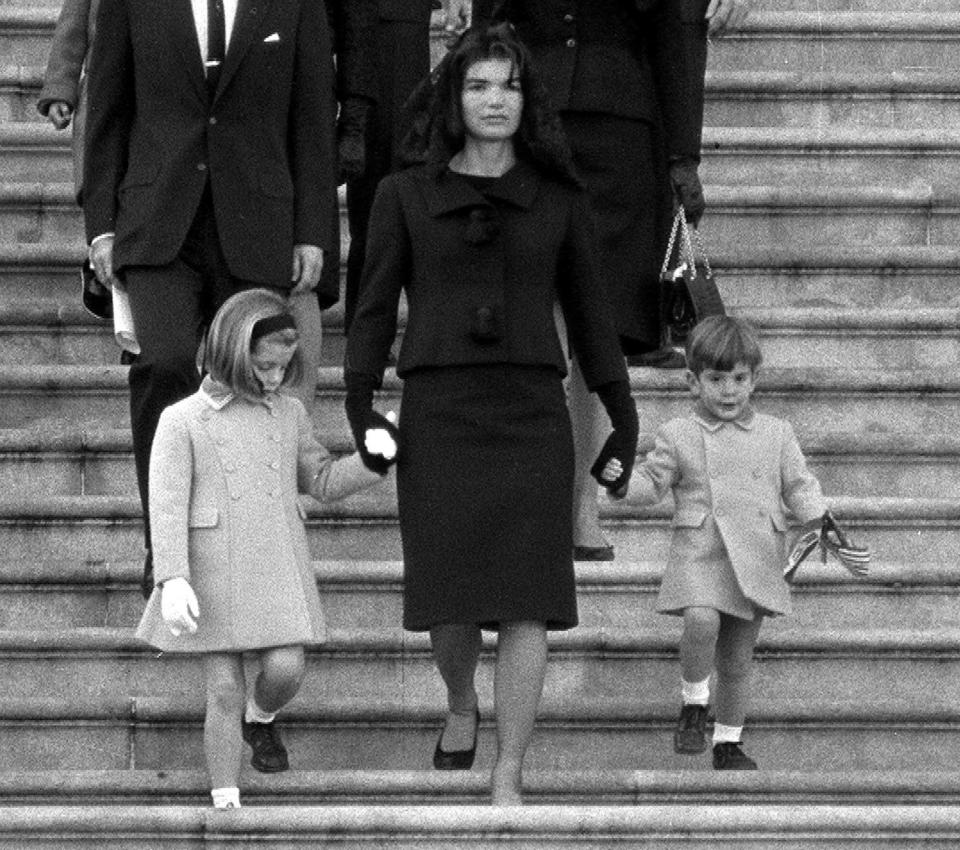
x,y
224,478
731,482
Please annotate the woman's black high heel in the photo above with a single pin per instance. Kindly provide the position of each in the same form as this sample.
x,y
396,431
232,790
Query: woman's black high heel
x,y
457,759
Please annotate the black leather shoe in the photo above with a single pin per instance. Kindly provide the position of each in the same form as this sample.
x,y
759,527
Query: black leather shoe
x,y
457,759
146,583
730,756
690,735
593,553
269,754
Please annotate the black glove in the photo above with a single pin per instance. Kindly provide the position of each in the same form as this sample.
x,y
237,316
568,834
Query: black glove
x,y
351,139
362,418
687,188
622,443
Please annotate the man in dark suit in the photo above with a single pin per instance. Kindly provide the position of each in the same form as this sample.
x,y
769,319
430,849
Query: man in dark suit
x,y
402,54
209,168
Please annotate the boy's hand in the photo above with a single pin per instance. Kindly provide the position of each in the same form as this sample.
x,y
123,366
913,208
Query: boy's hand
x,y
179,606
59,114
379,441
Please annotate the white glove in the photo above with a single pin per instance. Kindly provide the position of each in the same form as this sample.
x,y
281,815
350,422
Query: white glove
x,y
179,607
379,442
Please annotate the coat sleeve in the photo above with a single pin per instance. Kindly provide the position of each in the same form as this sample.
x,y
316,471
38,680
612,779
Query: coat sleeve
x,y
311,131
800,488
354,25
67,52
319,474
677,45
110,110
659,472
386,271
171,477
585,306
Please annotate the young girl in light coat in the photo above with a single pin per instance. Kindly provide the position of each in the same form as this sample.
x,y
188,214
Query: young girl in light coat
x,y
232,567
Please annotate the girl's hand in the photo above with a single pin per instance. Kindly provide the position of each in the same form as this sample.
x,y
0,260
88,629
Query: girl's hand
x,y
379,441
179,606
59,114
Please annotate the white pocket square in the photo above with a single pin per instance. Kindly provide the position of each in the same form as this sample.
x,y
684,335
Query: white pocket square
x,y
272,39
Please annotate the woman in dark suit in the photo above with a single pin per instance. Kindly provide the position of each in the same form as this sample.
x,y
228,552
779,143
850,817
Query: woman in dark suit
x,y
486,238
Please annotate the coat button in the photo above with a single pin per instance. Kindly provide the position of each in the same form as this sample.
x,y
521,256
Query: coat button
x,y
235,497
718,512
275,465
568,18
201,166
571,42
213,120
230,467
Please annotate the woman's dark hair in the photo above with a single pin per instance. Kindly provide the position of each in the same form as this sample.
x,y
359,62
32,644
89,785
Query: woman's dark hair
x,y
435,112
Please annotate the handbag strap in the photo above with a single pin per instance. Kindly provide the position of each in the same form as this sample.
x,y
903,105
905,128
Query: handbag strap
x,y
680,226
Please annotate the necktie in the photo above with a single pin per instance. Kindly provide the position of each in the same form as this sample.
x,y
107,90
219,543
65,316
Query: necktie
x,y
216,44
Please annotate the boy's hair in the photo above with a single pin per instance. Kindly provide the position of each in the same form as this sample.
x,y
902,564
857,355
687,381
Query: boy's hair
x,y
721,343
228,355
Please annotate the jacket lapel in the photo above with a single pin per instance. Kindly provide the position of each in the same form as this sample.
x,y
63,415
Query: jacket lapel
x,y
183,33
245,28
450,192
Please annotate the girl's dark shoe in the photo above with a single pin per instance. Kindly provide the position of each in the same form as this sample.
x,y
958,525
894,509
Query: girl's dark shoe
x,y
457,759
730,756
269,754
690,735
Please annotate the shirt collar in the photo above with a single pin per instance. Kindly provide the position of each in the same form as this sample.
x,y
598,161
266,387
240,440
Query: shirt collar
x,y
711,423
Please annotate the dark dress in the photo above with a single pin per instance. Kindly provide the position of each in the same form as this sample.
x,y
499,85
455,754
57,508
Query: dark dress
x,y
485,471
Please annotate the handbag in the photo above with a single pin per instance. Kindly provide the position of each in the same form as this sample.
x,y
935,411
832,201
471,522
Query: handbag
x,y
688,289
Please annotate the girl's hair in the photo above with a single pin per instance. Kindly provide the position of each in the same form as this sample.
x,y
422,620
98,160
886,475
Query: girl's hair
x,y
434,111
721,343
229,352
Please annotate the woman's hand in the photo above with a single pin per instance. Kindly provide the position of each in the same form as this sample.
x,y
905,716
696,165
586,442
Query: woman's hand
x,y
179,606
379,441
59,114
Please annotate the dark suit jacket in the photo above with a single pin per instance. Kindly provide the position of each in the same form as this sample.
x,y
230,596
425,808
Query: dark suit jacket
x,y
641,59
265,143
405,10
427,238
354,28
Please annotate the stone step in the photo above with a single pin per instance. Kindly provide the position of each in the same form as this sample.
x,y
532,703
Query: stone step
x,y
731,155
817,41
361,527
825,400
776,216
601,667
367,595
155,733
834,155
405,787
868,99
412,827
64,460
859,276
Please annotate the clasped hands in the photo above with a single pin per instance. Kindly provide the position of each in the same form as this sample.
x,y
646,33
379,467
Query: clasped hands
x,y
381,442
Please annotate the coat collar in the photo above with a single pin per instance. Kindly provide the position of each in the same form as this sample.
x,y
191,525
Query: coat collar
x,y
710,422
218,395
448,191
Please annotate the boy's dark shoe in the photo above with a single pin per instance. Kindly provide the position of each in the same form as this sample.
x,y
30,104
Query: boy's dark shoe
x,y
729,756
269,754
690,735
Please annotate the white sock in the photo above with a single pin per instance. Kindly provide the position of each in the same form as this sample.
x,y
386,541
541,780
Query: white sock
x,y
726,734
255,714
226,798
695,693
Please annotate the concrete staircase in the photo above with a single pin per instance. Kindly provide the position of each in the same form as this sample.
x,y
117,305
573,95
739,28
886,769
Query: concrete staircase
x,y
831,159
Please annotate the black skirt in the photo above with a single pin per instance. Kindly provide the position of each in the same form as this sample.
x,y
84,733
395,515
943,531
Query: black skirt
x,y
484,485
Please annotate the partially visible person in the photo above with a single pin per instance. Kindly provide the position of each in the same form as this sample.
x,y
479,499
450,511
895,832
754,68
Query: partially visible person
x,y
731,470
210,167
233,569
628,79
402,59
64,94
486,238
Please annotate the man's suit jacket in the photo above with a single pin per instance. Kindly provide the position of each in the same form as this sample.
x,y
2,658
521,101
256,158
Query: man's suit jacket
x,y
265,143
